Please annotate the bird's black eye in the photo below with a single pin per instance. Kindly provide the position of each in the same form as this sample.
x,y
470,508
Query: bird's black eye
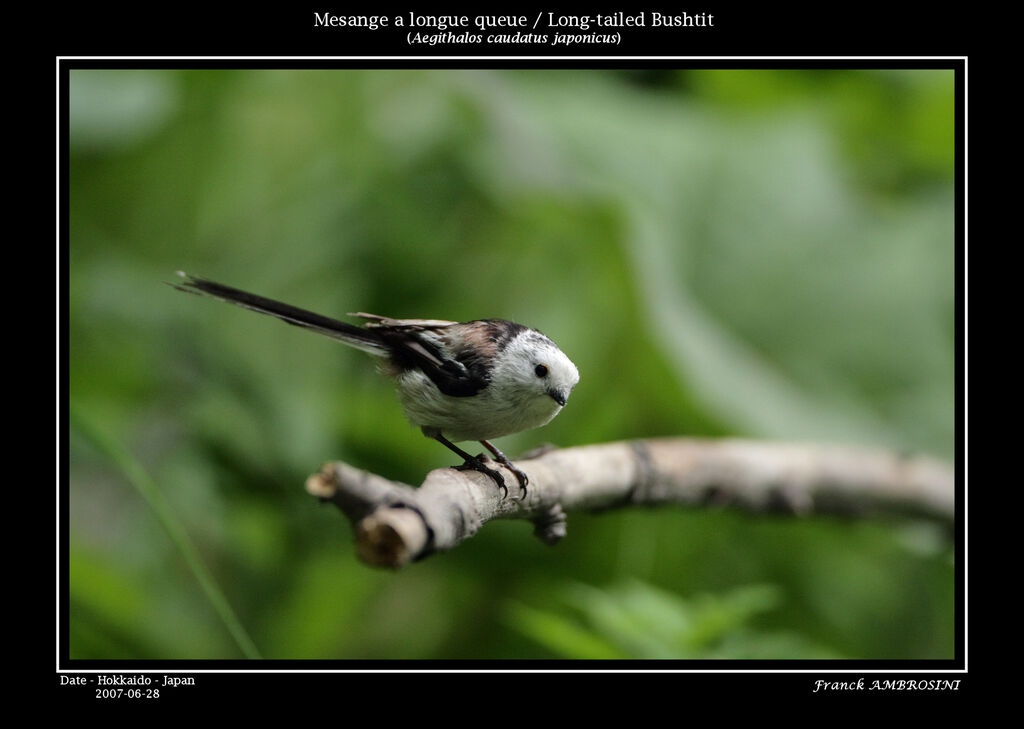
x,y
541,370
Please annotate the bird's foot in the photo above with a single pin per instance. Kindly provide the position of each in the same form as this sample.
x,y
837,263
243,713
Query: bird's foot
x,y
476,464
520,475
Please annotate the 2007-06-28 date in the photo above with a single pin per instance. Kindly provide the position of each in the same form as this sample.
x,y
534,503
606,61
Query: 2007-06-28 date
x,y
132,693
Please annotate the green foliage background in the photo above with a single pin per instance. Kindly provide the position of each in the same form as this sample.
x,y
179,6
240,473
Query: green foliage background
x,y
762,253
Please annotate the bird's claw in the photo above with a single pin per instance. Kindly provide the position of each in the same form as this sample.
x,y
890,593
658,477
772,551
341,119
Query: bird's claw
x,y
476,464
520,475
522,478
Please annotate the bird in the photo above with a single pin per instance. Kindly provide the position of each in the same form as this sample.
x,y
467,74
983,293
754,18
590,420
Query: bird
x,y
457,381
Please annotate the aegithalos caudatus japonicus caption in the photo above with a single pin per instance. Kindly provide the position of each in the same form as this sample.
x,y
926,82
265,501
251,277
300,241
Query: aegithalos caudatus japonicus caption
x,y
457,381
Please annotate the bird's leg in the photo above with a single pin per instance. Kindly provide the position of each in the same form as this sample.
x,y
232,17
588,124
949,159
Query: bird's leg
x,y
472,463
521,477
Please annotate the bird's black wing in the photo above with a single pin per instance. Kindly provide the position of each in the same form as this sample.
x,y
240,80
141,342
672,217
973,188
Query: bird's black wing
x,y
467,351
457,357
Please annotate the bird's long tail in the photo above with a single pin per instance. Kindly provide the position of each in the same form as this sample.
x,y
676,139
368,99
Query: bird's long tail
x,y
357,337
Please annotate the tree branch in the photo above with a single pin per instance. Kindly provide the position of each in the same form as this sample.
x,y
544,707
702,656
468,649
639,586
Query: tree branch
x,y
395,523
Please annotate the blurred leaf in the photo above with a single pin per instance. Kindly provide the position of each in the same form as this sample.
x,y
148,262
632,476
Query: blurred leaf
x,y
636,620
560,635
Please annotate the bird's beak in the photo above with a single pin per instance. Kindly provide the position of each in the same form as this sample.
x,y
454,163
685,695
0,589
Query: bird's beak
x,y
558,397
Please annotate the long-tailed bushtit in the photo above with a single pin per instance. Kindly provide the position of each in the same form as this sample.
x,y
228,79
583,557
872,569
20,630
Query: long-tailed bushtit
x,y
457,381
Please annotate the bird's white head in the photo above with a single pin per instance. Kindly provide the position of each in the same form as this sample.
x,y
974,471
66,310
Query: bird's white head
x,y
534,371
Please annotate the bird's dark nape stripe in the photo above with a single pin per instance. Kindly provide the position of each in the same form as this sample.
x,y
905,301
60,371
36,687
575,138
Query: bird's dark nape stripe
x,y
285,312
501,332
